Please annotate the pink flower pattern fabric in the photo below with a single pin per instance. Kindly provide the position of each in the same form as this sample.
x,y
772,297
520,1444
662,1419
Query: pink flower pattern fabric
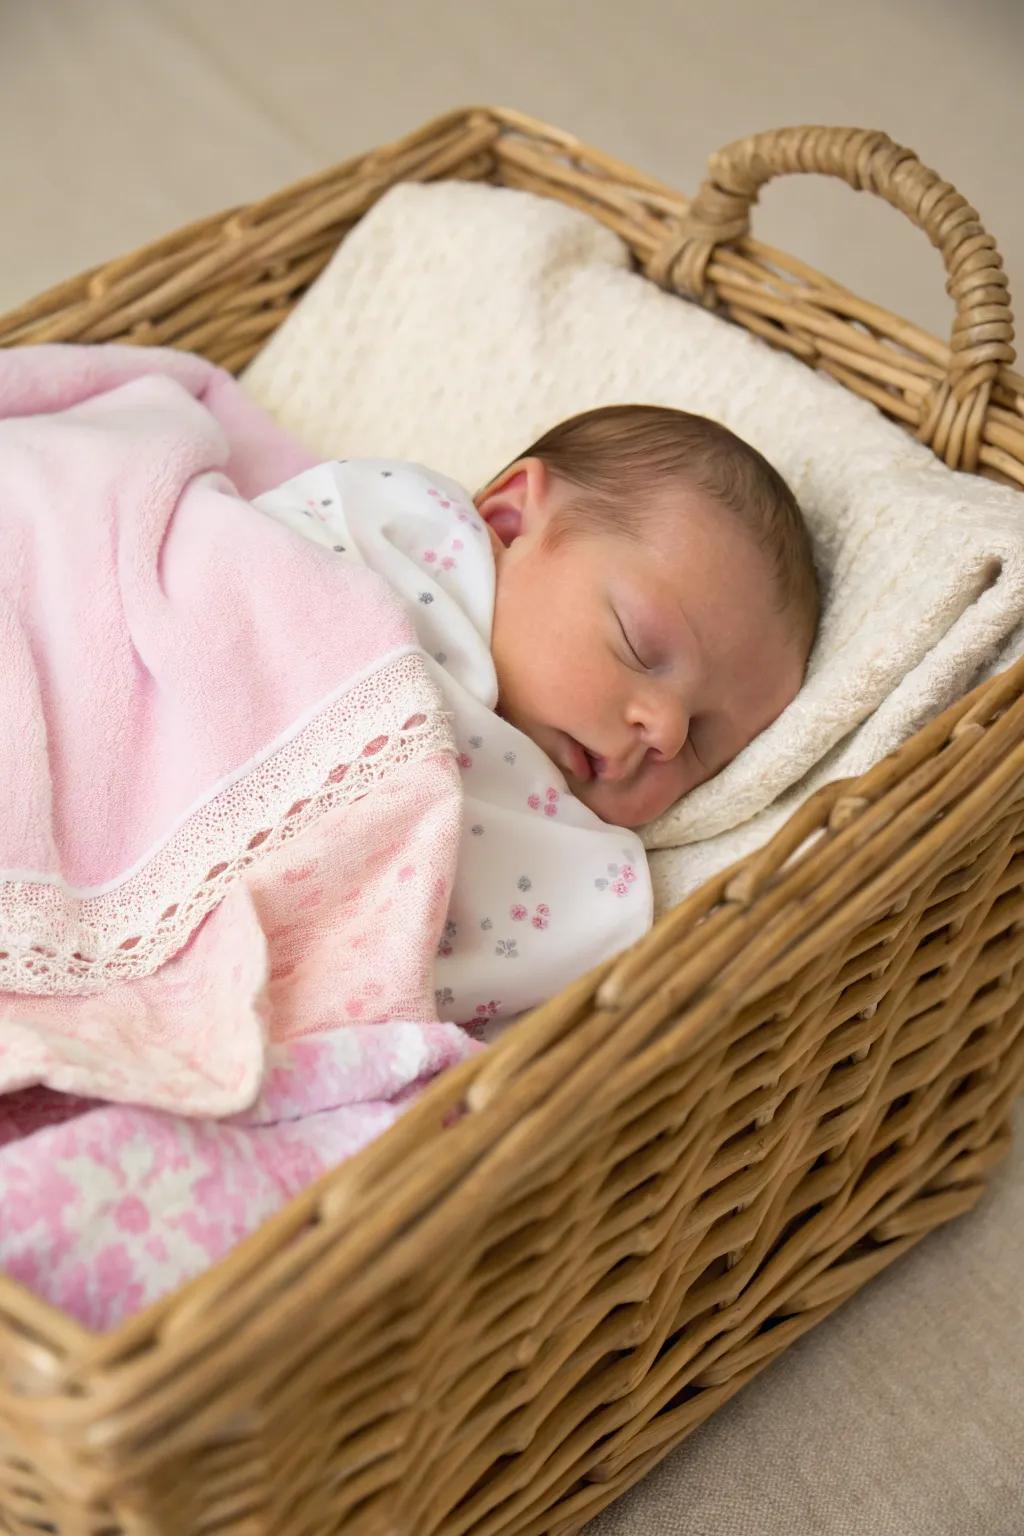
x,y
112,1207
105,1207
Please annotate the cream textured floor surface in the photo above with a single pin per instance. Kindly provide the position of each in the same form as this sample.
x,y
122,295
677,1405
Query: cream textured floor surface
x,y
121,119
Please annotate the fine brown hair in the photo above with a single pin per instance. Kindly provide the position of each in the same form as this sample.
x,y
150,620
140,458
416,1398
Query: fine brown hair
x,y
619,456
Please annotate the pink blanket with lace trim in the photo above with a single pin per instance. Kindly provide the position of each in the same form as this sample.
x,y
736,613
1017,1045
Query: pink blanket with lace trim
x,y
229,815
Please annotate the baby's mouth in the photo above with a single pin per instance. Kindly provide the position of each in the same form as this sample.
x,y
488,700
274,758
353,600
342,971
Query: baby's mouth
x,y
598,765
584,764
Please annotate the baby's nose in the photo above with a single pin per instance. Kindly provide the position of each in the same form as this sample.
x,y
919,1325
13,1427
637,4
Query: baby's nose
x,y
668,730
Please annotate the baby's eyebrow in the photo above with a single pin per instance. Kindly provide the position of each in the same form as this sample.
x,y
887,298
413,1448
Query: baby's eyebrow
x,y
666,625
641,609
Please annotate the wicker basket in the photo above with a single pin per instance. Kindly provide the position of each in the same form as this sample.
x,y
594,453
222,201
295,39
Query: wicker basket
x,y
671,1171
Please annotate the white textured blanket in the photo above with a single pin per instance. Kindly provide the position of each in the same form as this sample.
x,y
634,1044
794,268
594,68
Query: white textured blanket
x,y
457,322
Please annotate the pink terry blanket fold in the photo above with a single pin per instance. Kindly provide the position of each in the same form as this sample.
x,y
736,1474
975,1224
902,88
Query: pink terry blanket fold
x,y
228,800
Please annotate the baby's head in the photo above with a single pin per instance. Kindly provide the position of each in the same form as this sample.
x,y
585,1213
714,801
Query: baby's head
x,y
656,601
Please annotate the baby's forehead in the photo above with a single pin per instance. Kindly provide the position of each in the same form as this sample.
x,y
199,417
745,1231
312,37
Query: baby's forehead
x,y
674,512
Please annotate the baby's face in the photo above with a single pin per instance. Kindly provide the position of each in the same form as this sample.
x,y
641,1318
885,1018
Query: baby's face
x,y
641,669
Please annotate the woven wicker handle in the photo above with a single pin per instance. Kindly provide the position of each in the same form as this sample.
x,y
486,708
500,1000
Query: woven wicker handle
x,y
869,162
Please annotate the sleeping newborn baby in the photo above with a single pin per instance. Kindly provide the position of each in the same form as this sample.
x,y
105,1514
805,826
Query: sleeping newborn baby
x,y
656,602
610,621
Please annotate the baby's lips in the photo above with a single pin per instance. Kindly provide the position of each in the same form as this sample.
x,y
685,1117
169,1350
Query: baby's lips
x,y
579,765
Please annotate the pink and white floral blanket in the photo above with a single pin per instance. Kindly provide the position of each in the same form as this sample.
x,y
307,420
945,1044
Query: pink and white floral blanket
x,y
229,819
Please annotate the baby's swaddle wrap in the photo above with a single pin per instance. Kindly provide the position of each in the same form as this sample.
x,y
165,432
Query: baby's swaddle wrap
x,y
544,889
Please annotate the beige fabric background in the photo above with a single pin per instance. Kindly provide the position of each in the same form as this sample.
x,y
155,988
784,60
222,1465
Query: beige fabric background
x,y
903,1415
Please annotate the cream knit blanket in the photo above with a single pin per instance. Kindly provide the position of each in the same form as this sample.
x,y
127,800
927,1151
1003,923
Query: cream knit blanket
x,y
457,322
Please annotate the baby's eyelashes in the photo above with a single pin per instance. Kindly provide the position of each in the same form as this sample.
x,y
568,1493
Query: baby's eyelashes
x,y
632,654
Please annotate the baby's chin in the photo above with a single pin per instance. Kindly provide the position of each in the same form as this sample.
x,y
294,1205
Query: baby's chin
x,y
627,806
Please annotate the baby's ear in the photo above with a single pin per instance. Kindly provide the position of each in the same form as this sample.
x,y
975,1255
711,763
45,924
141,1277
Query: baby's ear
x,y
513,504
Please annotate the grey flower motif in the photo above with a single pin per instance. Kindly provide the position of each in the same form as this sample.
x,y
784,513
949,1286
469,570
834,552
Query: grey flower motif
x,y
447,938
486,924
341,461
386,474
325,501
476,741
510,758
477,831
426,597
613,869
443,997
441,657
602,885
524,882
339,549
507,949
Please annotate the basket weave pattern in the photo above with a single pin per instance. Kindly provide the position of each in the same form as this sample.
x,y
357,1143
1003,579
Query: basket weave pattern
x,y
578,1245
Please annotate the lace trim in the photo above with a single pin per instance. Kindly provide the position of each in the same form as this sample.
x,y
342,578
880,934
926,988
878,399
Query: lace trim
x,y
55,941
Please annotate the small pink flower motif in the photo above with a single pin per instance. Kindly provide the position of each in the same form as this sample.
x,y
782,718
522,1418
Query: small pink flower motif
x,y
444,503
430,555
300,872
487,1010
534,802
354,1007
541,916
551,810
457,545
406,872
447,564
131,1215
552,794
464,517
464,760
517,912
628,873
620,887
432,492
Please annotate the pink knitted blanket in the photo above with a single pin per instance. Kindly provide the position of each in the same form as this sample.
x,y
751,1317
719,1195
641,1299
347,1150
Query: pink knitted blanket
x,y
228,801
229,818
